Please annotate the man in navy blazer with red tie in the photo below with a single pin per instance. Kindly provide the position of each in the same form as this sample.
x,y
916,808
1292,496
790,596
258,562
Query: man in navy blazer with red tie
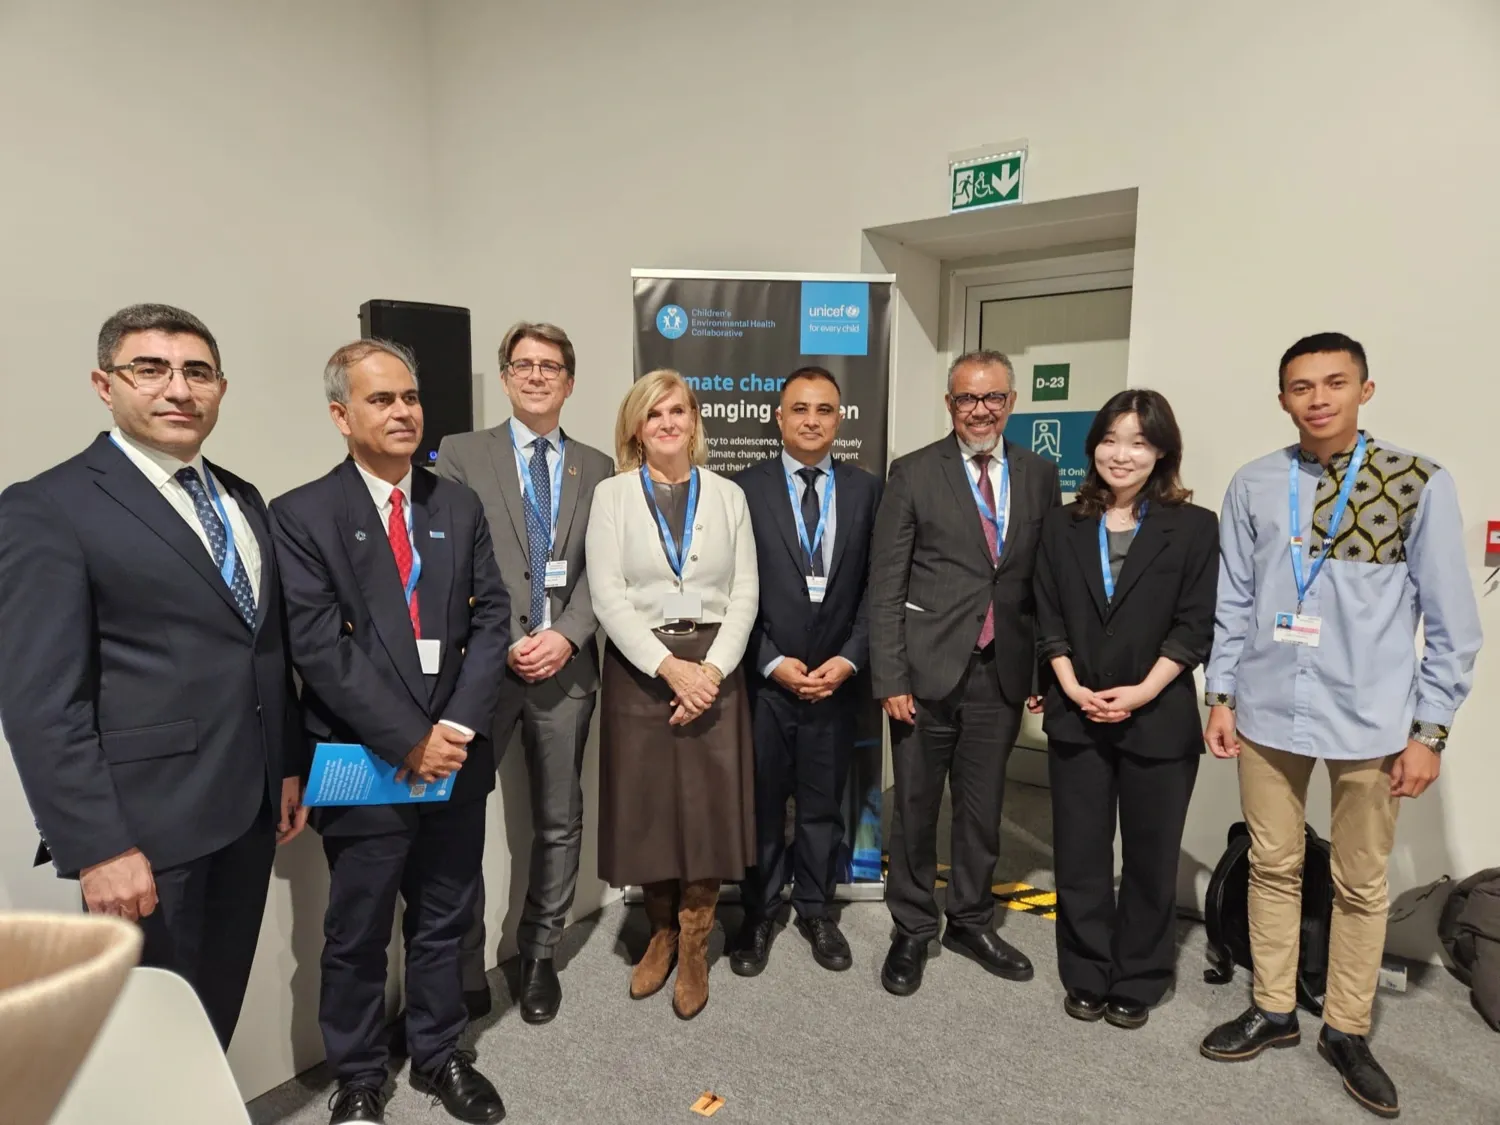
x,y
399,626
813,518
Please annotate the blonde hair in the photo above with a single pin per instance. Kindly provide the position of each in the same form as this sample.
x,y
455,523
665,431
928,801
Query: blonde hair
x,y
643,396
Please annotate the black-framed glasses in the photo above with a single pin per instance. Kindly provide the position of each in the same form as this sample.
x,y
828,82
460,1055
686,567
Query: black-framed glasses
x,y
996,400
525,367
151,375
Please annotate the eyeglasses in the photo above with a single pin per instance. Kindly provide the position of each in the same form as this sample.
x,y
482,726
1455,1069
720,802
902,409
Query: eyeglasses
x,y
998,401
151,375
525,367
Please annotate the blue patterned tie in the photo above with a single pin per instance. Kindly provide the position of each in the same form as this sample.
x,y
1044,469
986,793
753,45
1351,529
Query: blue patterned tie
x,y
539,530
244,597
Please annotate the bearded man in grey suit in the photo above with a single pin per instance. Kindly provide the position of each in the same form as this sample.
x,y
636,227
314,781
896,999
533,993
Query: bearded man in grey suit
x,y
536,484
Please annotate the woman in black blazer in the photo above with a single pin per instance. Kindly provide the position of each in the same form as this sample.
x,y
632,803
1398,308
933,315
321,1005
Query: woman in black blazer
x,y
1125,585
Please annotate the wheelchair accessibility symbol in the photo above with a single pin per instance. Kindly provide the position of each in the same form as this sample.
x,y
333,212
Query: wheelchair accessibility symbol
x,y
1046,438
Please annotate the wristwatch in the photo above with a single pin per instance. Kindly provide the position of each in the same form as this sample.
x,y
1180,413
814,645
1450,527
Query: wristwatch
x,y
1430,735
1431,741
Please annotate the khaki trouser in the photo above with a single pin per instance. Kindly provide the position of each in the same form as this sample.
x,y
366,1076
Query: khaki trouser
x,y
1273,796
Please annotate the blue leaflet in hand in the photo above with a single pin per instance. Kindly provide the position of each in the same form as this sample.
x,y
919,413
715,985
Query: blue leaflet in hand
x,y
344,773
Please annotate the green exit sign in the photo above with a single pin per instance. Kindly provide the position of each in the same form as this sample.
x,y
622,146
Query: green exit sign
x,y
1049,382
986,182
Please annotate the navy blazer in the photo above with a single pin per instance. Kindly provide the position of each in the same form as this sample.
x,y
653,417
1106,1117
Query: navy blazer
x,y
351,636
787,622
1163,606
141,710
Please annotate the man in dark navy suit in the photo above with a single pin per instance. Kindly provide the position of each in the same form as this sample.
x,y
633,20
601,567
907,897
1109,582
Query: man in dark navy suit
x,y
399,626
146,696
813,520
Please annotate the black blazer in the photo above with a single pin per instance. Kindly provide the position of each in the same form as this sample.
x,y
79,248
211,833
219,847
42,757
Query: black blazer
x,y
931,578
140,709
352,641
1163,606
787,623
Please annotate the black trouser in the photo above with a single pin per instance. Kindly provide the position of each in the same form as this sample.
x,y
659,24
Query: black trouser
x,y
435,868
207,920
802,750
1125,948
967,737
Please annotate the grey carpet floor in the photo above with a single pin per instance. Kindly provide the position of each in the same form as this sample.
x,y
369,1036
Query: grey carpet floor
x,y
799,1045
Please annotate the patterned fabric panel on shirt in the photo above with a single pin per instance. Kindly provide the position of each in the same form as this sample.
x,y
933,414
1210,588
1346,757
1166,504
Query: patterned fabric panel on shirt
x,y
1381,509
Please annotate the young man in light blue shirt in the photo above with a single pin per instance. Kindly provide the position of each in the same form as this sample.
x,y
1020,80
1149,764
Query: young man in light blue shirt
x,y
1332,551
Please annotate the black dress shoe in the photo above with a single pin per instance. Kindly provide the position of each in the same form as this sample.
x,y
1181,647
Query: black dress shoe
x,y
478,1003
1084,1006
541,993
990,950
902,972
1247,1035
465,1093
1365,1080
829,948
1126,1013
356,1103
751,946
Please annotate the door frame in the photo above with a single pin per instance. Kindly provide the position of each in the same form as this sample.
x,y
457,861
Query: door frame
x,y
968,288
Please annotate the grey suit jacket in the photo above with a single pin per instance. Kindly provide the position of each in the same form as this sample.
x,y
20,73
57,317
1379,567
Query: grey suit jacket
x,y
932,581
485,460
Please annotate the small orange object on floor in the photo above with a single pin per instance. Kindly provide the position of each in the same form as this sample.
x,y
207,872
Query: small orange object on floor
x,y
708,1105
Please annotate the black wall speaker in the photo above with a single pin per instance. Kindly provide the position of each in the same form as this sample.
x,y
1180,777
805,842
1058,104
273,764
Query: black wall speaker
x,y
438,335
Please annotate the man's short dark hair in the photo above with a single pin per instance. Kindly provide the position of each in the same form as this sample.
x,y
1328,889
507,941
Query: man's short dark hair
x,y
1321,343
811,373
542,332
152,318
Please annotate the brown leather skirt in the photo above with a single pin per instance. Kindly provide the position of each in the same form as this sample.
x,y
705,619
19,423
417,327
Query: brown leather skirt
x,y
674,802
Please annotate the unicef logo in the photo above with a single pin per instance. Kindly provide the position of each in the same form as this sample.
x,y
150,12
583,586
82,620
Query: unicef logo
x,y
671,321
851,310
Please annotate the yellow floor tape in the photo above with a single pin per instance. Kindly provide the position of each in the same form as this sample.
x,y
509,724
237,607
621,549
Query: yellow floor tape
x,y
1014,896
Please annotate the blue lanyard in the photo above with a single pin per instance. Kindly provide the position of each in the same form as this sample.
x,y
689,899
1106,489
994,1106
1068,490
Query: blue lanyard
x,y
991,518
810,546
1339,507
1109,575
231,554
675,554
529,490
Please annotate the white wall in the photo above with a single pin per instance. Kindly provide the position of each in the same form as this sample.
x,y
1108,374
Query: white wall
x,y
264,166
1301,165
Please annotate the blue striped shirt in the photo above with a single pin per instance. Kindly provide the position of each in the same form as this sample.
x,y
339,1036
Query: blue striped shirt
x,y
1397,560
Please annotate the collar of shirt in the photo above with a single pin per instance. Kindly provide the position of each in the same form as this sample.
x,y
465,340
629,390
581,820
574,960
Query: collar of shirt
x,y
160,468
1339,461
380,492
524,435
792,465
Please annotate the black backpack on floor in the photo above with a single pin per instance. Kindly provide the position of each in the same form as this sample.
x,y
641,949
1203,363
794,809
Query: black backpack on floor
x,y
1226,915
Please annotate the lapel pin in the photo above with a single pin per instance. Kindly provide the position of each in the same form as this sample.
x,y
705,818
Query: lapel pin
x,y
572,470
360,536
437,535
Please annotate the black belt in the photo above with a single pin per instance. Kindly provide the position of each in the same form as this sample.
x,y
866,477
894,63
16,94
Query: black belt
x,y
985,655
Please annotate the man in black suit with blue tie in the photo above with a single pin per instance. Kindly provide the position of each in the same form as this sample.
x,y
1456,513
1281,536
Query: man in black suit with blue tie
x,y
399,626
812,519
147,697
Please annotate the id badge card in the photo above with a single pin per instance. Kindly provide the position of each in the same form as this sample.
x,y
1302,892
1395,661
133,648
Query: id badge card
x,y
430,653
816,588
557,574
682,606
1298,629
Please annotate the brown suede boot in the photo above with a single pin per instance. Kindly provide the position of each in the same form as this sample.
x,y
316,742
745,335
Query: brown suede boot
x,y
696,919
652,970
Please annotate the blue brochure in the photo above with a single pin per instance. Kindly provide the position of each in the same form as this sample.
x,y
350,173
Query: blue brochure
x,y
344,773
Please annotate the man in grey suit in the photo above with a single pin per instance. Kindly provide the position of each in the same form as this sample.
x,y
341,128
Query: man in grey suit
x,y
537,484
953,659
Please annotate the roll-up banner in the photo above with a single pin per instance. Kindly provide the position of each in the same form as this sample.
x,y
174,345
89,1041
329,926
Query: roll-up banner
x,y
735,337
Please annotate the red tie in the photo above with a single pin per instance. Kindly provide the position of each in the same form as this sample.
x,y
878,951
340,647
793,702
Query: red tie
x,y
401,548
987,490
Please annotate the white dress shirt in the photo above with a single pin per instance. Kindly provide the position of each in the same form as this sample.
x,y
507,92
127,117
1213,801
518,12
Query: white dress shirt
x,y
830,527
380,492
159,468
525,439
